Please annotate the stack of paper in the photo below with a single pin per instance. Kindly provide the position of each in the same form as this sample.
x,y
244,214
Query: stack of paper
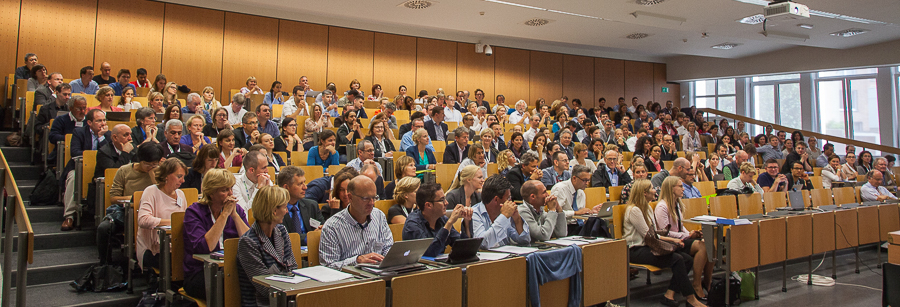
x,y
576,240
705,218
515,249
492,256
322,274
296,279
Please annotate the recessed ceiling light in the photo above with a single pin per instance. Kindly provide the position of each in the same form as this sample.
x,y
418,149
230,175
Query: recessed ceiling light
x,y
850,32
805,26
649,2
725,46
752,20
637,35
537,22
416,4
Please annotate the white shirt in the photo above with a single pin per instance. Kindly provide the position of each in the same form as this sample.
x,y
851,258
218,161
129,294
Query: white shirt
x,y
564,191
452,115
290,107
529,135
235,118
516,116
245,190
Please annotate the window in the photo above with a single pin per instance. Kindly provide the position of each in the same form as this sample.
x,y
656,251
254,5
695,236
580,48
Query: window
x,y
776,99
715,94
776,77
848,72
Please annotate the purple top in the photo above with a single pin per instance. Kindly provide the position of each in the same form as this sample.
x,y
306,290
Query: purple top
x,y
197,221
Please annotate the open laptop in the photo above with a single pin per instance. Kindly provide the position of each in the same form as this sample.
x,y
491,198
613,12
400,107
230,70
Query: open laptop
x,y
606,209
718,177
796,202
464,250
118,116
402,256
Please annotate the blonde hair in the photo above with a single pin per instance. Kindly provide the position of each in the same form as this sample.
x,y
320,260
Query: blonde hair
x,y
165,92
200,117
503,163
266,200
418,134
102,92
487,131
404,186
667,194
152,95
637,199
213,180
463,176
747,167
250,78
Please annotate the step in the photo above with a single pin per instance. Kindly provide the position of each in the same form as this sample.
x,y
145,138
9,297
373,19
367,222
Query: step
x,y
47,235
40,214
25,171
15,154
58,265
25,187
62,294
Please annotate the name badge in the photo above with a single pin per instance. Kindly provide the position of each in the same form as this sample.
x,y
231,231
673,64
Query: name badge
x,y
314,223
79,124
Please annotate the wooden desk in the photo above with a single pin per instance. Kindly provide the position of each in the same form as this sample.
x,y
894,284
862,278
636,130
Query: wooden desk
x,y
424,287
214,277
605,271
281,291
482,279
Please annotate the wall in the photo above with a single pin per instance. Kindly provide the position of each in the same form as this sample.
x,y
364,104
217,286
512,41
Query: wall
x,y
202,47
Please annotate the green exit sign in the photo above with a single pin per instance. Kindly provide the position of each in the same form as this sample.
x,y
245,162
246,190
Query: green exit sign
x,y
665,90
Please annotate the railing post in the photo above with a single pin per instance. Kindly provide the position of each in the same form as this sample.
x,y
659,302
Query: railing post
x,y
21,271
79,174
45,146
100,200
60,164
7,249
22,123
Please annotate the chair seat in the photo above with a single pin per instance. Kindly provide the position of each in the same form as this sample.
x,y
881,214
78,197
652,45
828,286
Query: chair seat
x,y
199,302
156,271
646,267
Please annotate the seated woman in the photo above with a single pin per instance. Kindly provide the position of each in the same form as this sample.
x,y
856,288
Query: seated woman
x,y
325,154
275,95
268,142
207,224
377,135
639,171
155,102
517,144
251,87
172,112
220,122
475,157
654,161
158,202
206,160
229,155
669,212
506,162
314,124
404,200
195,137
288,141
640,224
105,96
209,102
420,153
581,158
266,247
340,197
126,101
170,96
466,188
405,166
537,146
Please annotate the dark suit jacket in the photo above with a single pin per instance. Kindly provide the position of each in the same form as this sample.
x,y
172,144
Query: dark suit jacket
x,y
429,126
487,106
388,145
239,140
451,153
404,128
168,148
44,116
81,141
668,156
42,96
600,178
62,125
137,136
317,189
309,209
413,151
516,179
108,157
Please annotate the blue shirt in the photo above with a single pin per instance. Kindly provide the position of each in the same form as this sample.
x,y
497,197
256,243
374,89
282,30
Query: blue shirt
x,y
117,88
499,232
551,177
407,142
269,100
314,159
417,227
613,176
690,191
186,110
79,87
271,128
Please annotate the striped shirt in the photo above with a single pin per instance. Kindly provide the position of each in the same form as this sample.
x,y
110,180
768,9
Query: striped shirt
x,y
260,255
343,239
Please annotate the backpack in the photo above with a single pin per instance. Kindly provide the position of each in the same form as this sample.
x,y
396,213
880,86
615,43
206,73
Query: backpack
x,y
716,295
100,278
46,192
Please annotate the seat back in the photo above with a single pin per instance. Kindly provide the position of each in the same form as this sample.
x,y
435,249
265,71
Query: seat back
x,y
821,197
422,284
312,247
817,182
191,195
89,164
723,206
397,231
775,200
384,205
296,247
177,243
444,174
482,278
299,158
844,195
66,151
750,204
312,172
232,286
705,187
615,193
595,196
109,174
618,221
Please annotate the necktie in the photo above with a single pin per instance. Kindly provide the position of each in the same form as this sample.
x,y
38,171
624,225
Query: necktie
x,y
439,132
95,143
575,207
298,221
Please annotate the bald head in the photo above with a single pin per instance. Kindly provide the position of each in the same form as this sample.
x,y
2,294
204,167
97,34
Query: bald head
x,y
680,167
121,128
360,183
534,192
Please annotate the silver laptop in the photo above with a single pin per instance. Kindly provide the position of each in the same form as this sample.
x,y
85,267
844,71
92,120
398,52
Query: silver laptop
x,y
718,177
796,200
402,253
606,209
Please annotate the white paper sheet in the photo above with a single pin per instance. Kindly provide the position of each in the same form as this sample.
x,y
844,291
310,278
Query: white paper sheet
x,y
705,218
322,274
515,249
567,242
293,279
491,256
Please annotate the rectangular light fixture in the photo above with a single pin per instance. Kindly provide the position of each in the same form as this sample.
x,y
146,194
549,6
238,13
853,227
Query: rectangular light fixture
x,y
850,32
752,20
725,46
541,9
641,15
785,35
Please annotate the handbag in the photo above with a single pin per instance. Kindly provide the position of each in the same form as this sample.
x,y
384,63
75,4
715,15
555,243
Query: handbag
x,y
657,247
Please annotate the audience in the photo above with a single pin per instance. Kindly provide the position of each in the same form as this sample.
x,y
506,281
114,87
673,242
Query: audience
x,y
557,173
668,213
365,154
340,196
236,109
771,178
289,141
49,111
313,125
496,219
798,179
104,77
421,153
265,248
832,172
273,159
356,235
404,166
24,72
92,136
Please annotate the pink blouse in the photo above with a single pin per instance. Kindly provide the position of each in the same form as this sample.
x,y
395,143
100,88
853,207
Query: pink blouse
x,y
666,222
155,205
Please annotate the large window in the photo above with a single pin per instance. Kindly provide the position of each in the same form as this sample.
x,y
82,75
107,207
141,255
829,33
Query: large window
x,y
777,99
715,94
848,105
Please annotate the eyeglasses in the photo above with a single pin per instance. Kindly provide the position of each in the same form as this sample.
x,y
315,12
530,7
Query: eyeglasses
x,y
442,200
366,199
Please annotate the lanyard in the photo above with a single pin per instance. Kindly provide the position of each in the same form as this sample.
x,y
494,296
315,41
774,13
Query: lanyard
x,y
222,237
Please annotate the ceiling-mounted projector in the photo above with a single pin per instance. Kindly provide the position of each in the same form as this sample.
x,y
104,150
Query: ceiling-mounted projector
x,y
785,10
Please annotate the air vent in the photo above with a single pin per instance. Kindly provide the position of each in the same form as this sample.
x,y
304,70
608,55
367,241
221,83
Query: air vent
x,y
649,2
725,46
637,35
850,32
752,20
417,4
536,22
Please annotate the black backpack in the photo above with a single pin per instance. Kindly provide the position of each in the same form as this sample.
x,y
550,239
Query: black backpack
x,y
716,295
46,192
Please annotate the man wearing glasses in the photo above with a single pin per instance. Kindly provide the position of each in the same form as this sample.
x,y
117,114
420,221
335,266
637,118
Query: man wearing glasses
x,y
570,196
679,168
365,153
358,234
431,222
557,173
174,128
771,178
798,179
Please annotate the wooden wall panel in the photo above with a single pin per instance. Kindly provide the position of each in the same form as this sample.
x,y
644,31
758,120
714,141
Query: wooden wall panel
x,y
474,70
609,80
350,56
578,79
251,49
511,67
659,81
9,30
435,66
61,33
118,22
192,48
546,77
638,81
302,51
394,64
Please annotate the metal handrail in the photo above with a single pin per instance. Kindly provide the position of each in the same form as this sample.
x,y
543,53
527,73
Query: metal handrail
x,y
15,213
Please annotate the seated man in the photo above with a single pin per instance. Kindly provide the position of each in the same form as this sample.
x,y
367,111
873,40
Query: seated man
x,y
611,173
881,164
365,153
541,225
437,129
192,106
429,221
371,237
94,135
496,218
527,169
236,110
370,171
557,173
873,190
66,124
571,197
457,151
122,81
798,179
266,125
49,111
303,213
173,144
254,177
317,189
116,153
145,129
248,133
690,191
406,141
771,178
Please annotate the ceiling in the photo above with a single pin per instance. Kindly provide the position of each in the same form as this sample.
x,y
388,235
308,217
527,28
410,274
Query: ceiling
x,y
503,24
